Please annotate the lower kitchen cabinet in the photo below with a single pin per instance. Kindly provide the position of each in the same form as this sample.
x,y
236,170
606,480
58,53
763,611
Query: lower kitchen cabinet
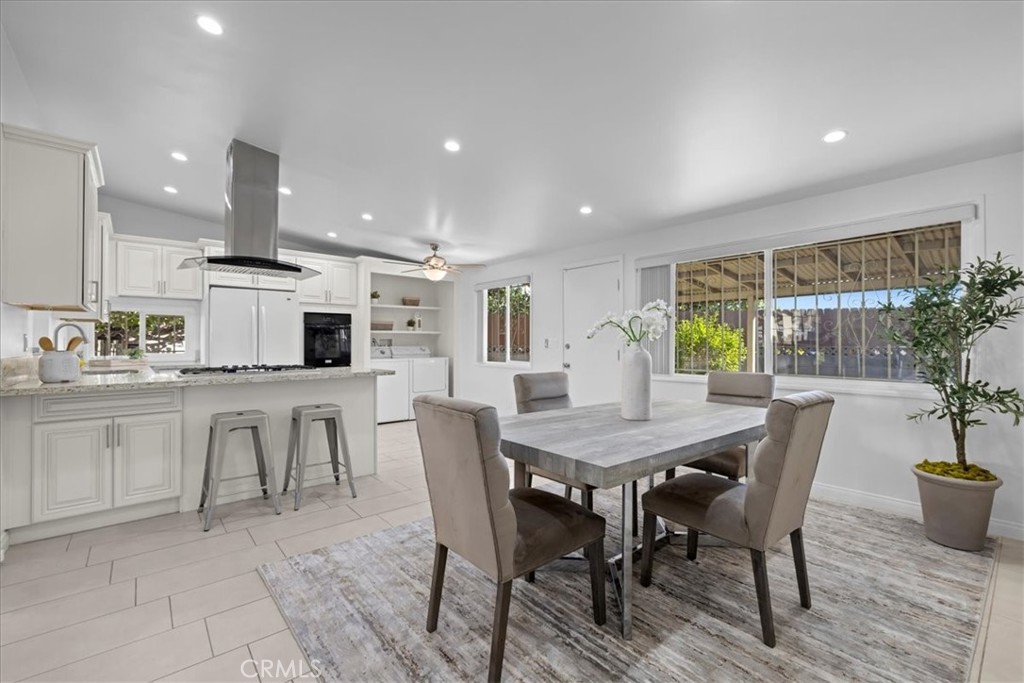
x,y
147,456
82,466
71,469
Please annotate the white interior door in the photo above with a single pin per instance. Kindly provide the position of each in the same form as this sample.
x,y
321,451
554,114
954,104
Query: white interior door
x,y
588,293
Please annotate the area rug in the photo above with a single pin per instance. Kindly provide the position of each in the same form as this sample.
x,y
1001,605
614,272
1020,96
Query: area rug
x,y
888,605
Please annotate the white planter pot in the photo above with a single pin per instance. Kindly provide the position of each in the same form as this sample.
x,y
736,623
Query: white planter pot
x,y
636,383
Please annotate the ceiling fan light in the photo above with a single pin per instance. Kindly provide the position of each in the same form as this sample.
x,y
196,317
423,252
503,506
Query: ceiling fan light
x,y
434,275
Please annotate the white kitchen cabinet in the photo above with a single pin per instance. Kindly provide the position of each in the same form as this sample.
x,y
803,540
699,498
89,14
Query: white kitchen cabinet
x,y
50,254
150,269
336,285
225,279
147,458
71,469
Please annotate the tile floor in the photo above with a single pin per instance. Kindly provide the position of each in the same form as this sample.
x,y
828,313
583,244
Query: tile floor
x,y
159,599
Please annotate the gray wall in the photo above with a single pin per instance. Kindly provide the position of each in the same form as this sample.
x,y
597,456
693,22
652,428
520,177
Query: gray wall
x,y
146,221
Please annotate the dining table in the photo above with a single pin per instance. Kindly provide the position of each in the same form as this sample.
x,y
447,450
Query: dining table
x,y
596,446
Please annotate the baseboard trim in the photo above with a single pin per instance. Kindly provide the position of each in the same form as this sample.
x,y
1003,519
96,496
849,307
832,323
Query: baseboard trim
x,y
904,508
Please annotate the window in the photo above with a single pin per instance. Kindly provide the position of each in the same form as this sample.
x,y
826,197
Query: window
x,y
158,335
506,322
821,302
720,314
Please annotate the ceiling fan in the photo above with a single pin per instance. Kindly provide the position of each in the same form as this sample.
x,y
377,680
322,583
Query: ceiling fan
x,y
435,267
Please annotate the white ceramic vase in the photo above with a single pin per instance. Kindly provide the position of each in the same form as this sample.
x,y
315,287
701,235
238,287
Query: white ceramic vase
x,y
636,383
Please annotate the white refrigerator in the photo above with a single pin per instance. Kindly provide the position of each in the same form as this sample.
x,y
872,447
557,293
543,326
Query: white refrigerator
x,y
254,327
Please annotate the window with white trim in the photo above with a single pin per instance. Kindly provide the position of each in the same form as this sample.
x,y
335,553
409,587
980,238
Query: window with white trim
x,y
505,316
816,304
159,336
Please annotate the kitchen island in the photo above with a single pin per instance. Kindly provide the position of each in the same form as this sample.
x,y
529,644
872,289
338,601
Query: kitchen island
x,y
122,446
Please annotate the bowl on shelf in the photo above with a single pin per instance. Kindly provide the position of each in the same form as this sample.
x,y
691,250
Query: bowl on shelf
x,y
382,324
410,301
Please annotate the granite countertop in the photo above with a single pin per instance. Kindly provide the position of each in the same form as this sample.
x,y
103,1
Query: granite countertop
x,y
155,379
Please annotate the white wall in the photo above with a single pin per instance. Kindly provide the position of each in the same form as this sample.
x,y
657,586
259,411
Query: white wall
x,y
870,446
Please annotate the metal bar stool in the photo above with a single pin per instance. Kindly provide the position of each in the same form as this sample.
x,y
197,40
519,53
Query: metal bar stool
x,y
303,418
222,424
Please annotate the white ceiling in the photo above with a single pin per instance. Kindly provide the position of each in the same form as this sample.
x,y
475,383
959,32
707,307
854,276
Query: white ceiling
x,y
650,112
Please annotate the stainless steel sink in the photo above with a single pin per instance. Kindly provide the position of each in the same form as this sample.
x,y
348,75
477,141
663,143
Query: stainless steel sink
x,y
111,372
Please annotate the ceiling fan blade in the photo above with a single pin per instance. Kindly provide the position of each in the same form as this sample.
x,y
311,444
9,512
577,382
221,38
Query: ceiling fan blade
x,y
414,270
403,263
468,265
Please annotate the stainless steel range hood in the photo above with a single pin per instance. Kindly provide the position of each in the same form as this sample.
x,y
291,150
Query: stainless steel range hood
x,y
250,218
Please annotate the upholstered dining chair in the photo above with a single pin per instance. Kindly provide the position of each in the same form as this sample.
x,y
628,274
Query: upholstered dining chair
x,y
539,391
738,388
504,533
758,514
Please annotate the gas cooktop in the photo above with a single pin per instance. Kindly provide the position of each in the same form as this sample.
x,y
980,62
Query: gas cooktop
x,y
232,369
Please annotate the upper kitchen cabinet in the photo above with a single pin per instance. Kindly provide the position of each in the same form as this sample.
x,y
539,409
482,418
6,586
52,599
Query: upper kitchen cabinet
x,y
149,268
50,237
336,285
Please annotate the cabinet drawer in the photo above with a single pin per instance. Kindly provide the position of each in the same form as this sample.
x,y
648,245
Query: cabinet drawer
x,y
77,406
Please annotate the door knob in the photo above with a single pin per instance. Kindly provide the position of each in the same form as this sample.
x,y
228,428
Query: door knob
x,y
567,346
565,365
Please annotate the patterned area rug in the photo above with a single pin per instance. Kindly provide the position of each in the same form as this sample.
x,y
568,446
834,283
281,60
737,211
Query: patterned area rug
x,y
888,605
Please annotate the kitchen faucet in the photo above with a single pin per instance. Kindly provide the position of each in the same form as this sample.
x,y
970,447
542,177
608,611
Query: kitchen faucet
x,y
56,333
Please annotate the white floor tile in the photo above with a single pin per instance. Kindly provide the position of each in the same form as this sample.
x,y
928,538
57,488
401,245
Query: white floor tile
x,y
52,587
231,667
281,659
55,614
143,660
167,558
187,577
244,624
331,535
217,597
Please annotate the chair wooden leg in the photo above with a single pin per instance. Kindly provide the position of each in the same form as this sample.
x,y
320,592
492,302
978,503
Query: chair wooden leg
x,y
529,479
588,500
436,583
670,473
647,552
692,536
764,600
530,577
799,559
568,492
595,552
501,603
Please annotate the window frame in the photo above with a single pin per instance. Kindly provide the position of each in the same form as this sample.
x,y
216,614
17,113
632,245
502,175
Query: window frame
x,y
145,307
507,284
971,215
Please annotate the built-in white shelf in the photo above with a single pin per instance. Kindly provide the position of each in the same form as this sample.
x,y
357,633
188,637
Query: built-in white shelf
x,y
376,332
407,308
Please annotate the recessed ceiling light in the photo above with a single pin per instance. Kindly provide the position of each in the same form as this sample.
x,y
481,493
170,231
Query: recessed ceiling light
x,y
834,136
170,190
367,217
452,145
586,210
287,191
332,234
210,25
179,156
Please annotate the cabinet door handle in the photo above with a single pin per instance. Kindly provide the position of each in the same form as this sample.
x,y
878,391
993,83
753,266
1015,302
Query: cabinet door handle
x,y
106,433
119,430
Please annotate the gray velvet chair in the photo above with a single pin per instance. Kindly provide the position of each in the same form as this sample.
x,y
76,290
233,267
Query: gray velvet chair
x,y
760,513
504,533
539,391
738,388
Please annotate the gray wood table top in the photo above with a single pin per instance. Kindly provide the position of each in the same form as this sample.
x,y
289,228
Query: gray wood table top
x,y
593,444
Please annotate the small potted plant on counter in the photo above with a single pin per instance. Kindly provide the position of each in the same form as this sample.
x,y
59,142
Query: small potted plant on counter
x,y
375,297
942,325
411,323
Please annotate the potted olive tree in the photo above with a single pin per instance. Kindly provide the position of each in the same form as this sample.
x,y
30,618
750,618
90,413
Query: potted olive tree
x,y
941,325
